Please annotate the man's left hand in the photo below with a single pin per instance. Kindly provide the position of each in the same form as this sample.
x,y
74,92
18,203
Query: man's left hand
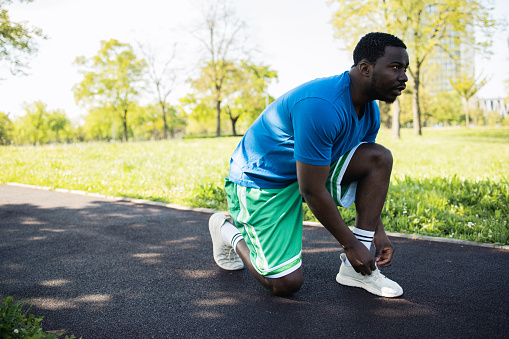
x,y
383,249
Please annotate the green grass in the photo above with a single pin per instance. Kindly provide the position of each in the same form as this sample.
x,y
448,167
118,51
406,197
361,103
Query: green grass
x,y
447,183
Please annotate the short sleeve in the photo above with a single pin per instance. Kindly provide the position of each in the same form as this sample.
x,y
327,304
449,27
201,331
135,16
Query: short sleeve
x,y
316,126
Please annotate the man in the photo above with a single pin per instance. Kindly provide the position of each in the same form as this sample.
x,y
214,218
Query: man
x,y
317,143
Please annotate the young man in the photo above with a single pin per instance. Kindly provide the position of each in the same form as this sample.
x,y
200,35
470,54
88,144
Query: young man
x,y
315,142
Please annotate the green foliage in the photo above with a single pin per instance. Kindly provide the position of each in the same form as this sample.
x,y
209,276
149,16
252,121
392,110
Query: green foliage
x,y
17,40
243,95
246,93
59,125
449,207
17,323
32,127
40,126
200,112
111,80
6,128
211,195
100,124
467,85
444,109
148,123
444,207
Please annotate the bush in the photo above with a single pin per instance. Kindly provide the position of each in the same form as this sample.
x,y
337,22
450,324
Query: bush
x,y
14,323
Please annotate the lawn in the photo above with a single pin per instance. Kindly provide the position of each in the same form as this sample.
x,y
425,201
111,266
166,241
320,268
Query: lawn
x,y
447,183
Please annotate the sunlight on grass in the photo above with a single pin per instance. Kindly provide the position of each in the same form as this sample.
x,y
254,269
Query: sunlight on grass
x,y
449,183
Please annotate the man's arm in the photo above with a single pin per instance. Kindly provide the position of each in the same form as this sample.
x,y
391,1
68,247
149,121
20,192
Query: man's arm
x,y
312,181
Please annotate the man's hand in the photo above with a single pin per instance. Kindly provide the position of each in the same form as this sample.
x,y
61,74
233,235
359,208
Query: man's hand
x,y
383,247
360,258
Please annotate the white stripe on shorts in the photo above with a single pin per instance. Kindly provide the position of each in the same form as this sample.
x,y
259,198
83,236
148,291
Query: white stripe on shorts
x,y
250,230
348,198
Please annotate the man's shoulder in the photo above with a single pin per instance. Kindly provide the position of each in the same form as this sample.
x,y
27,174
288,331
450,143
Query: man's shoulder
x,y
329,89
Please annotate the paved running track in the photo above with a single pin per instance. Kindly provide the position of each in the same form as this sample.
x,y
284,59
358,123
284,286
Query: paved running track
x,y
101,268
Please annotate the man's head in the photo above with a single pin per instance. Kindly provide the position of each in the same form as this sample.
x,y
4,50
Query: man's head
x,y
372,46
381,61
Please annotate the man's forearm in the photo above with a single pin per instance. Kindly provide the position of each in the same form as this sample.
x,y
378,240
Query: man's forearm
x,y
325,210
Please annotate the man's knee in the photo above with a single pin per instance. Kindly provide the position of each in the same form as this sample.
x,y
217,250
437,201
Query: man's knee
x,y
377,154
288,284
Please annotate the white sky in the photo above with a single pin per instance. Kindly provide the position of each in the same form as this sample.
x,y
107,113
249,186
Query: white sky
x,y
294,38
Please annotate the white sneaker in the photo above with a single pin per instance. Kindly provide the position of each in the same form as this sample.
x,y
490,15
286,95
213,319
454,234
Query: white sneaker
x,y
375,283
224,254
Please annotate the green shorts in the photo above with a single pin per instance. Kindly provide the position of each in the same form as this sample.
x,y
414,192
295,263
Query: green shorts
x,y
270,220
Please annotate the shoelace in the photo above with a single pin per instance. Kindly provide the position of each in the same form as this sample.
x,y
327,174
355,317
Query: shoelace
x,y
229,252
378,275
232,255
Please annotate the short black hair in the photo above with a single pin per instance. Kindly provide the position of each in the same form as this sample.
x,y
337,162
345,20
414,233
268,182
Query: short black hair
x,y
372,46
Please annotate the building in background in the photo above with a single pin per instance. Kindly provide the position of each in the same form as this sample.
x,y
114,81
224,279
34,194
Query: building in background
x,y
497,105
447,63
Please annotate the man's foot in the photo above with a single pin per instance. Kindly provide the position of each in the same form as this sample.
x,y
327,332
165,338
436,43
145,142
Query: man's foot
x,y
224,254
375,283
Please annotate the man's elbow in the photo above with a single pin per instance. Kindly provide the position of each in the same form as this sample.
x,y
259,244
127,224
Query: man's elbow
x,y
309,194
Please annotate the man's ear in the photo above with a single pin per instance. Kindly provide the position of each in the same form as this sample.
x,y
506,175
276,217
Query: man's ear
x,y
365,68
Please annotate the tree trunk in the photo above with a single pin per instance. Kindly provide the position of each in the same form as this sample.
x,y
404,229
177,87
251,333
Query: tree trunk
x,y
467,120
165,132
416,107
234,123
218,110
396,110
124,122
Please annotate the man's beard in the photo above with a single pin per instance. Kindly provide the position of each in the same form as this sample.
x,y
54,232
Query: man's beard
x,y
376,94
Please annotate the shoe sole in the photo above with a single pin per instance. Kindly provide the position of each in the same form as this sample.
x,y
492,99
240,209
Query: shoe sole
x,y
357,283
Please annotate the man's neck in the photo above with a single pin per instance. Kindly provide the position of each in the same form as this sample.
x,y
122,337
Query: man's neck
x,y
359,100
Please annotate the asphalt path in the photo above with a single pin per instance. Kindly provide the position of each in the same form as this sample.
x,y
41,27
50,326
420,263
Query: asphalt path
x,y
103,268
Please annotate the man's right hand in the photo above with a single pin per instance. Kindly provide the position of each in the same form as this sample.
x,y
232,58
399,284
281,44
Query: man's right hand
x,y
360,258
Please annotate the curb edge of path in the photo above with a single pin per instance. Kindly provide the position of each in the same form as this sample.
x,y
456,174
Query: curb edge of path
x,y
209,210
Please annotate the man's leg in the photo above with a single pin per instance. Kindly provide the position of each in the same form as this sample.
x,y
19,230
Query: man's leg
x,y
282,286
369,169
271,224
227,238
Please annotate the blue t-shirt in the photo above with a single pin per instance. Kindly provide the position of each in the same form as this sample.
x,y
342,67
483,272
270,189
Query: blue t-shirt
x,y
314,123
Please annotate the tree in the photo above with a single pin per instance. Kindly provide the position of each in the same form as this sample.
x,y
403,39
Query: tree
x,y
112,80
200,112
5,129
149,125
96,127
221,33
426,26
246,91
445,108
467,85
162,78
17,40
58,123
33,127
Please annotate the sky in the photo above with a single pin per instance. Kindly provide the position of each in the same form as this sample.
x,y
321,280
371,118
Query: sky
x,y
292,37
